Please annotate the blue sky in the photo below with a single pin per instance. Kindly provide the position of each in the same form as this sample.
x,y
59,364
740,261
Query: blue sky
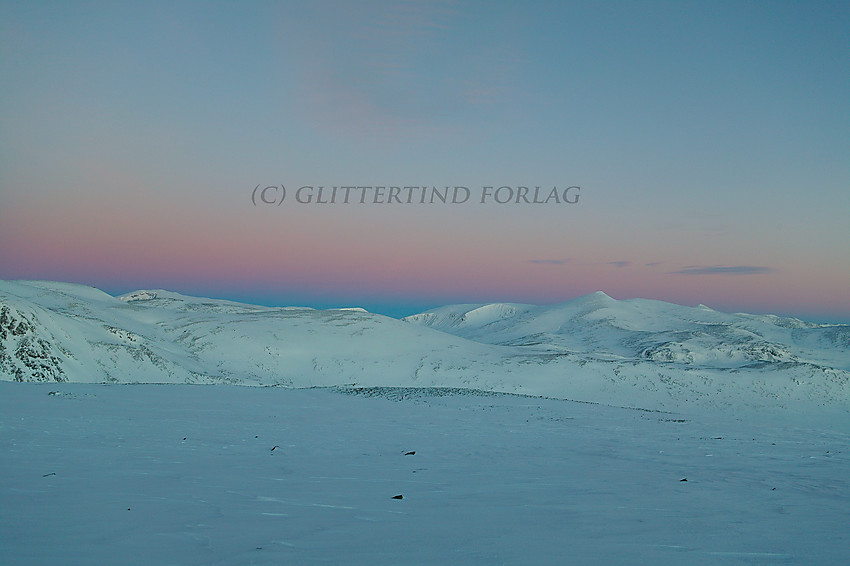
x,y
709,139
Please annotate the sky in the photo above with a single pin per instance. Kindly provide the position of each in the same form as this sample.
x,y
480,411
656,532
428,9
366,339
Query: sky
x,y
699,152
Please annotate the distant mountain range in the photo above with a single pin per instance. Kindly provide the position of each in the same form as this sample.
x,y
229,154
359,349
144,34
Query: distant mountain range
x,y
636,352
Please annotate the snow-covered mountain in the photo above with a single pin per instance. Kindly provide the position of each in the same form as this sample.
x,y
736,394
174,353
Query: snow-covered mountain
x,y
600,327
634,352
63,332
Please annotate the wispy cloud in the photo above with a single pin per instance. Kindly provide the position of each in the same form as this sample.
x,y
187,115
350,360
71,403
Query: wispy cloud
x,y
725,270
383,68
620,264
549,261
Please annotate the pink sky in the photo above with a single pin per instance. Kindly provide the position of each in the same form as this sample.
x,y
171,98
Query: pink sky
x,y
710,144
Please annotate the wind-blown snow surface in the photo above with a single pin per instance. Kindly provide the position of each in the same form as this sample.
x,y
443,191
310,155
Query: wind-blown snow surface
x,y
191,475
639,353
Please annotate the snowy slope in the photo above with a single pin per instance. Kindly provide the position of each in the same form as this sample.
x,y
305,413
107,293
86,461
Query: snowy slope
x,y
68,332
639,329
631,353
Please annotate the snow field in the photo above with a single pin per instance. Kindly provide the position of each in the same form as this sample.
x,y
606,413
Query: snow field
x,y
179,474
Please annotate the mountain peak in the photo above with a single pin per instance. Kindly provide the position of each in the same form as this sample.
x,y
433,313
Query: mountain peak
x,y
597,298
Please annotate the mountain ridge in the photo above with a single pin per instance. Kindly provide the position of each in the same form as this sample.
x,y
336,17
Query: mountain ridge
x,y
594,348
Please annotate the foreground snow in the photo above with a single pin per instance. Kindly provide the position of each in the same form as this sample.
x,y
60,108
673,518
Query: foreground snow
x,y
179,474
